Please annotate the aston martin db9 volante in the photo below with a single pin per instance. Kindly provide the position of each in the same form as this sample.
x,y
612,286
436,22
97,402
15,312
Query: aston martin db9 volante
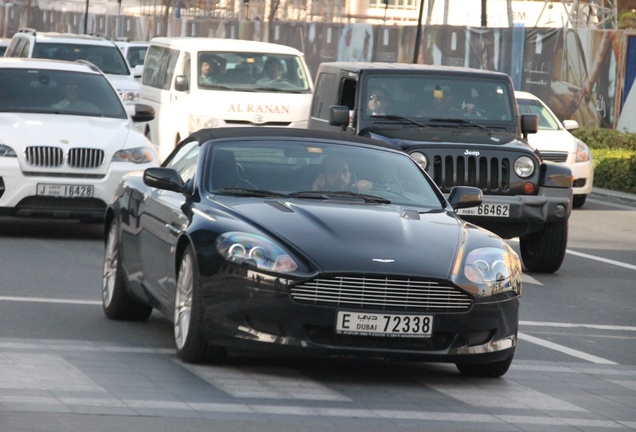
x,y
309,242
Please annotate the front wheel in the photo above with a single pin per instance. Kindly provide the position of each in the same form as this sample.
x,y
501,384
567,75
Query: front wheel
x,y
116,301
188,315
485,370
543,251
578,201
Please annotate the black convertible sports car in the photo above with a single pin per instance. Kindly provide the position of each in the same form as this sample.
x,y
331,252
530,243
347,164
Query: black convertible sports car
x,y
309,242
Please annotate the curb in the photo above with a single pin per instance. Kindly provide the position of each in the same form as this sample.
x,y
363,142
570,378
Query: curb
x,y
614,196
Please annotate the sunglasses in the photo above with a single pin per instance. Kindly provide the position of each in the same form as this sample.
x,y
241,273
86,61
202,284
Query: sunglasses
x,y
376,98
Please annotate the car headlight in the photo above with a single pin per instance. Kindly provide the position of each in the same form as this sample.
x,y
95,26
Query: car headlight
x,y
420,159
196,122
494,270
583,153
137,155
524,167
6,151
254,250
129,97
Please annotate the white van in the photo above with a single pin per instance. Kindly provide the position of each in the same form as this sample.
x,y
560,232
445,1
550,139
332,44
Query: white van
x,y
238,91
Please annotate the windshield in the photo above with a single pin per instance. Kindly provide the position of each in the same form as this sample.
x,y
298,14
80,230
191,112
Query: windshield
x,y
108,59
58,92
426,97
546,120
318,171
251,72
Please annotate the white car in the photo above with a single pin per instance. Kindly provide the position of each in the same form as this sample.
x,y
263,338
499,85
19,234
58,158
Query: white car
x,y
94,48
555,143
66,139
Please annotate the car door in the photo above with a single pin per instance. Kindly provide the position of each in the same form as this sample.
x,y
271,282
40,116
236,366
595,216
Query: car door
x,y
162,221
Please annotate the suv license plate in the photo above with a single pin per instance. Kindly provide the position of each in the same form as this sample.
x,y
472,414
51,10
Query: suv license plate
x,y
391,325
65,191
492,210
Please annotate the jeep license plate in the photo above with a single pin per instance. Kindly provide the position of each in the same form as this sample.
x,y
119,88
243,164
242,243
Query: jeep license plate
x,y
380,324
492,210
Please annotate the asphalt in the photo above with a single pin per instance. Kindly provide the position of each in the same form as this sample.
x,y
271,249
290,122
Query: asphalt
x,y
613,196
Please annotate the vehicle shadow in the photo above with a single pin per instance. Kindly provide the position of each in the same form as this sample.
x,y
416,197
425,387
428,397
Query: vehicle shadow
x,y
50,229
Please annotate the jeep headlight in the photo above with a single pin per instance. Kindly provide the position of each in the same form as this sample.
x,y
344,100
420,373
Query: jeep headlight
x,y
138,155
420,159
197,122
493,270
255,251
524,167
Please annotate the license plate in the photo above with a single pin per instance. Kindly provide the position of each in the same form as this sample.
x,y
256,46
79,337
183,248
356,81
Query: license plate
x,y
391,325
65,191
492,210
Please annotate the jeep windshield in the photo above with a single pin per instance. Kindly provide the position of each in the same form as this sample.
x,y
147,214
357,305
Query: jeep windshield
x,y
431,98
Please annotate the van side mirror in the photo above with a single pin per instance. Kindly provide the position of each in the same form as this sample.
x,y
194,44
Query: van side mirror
x,y
181,83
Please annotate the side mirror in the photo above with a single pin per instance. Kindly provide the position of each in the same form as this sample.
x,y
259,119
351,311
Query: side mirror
x,y
138,71
529,124
181,83
465,197
164,178
339,116
570,124
143,113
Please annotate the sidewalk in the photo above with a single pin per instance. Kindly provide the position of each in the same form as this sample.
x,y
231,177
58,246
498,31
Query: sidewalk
x,y
616,197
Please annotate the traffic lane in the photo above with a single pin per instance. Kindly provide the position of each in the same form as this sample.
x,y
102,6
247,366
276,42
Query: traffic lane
x,y
606,229
51,260
24,318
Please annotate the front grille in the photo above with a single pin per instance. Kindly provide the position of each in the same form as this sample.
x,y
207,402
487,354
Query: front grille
x,y
85,158
490,174
559,157
53,157
382,293
44,157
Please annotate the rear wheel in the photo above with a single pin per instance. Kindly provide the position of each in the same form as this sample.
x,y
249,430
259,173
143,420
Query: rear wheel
x,y
188,315
486,370
544,250
116,301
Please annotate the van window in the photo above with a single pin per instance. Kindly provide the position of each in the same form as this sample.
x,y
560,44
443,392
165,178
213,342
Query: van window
x,y
251,71
159,67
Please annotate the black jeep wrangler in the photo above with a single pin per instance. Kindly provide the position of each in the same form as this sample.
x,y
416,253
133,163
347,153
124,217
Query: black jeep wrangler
x,y
463,127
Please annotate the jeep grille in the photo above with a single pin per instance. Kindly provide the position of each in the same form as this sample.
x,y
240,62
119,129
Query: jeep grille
x,y
490,174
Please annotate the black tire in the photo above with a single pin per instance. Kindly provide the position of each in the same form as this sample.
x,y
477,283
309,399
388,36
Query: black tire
x,y
578,201
188,315
116,301
544,250
485,370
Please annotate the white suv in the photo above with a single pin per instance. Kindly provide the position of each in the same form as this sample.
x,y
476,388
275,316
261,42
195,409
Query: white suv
x,y
94,48
65,139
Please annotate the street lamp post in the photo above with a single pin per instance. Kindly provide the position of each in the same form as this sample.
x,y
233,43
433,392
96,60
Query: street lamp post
x,y
418,34
86,19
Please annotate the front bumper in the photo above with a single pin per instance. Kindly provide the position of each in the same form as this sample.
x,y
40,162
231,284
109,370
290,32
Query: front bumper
x,y
245,314
18,192
527,213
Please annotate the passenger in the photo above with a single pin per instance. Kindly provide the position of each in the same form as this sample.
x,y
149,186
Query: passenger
x,y
273,71
378,103
336,176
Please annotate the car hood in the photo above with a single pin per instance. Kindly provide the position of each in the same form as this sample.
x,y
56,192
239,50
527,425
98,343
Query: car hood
x,y
20,131
558,140
410,136
357,237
